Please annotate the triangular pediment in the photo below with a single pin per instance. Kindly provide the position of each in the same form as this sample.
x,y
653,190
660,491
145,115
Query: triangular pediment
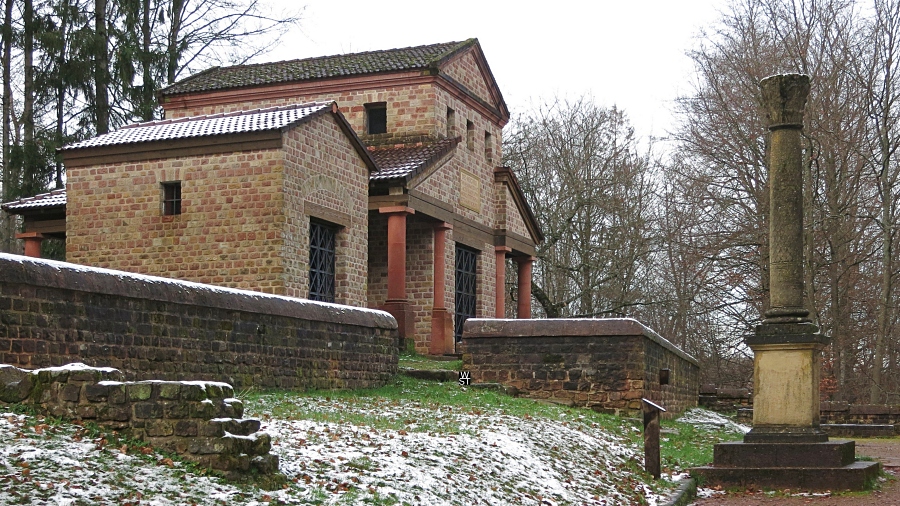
x,y
467,69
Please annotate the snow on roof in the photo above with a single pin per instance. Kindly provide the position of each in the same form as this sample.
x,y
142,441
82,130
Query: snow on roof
x,y
257,120
55,198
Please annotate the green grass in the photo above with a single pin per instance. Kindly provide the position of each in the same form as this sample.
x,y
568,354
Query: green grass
x,y
682,446
414,361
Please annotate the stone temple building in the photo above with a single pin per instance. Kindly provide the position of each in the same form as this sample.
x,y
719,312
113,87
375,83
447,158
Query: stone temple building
x,y
368,179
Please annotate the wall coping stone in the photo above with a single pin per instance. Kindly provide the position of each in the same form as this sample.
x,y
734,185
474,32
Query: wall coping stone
x,y
483,328
17,269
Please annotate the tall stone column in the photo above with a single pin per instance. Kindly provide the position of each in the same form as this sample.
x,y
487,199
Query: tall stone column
x,y
524,292
441,321
787,347
397,304
500,280
786,448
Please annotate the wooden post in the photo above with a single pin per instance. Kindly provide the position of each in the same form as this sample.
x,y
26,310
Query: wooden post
x,y
651,437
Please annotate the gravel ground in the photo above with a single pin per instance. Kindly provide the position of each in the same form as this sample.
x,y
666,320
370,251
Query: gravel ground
x,y
887,451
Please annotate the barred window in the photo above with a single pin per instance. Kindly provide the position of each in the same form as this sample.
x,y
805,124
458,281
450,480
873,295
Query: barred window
x,y
321,261
466,285
171,198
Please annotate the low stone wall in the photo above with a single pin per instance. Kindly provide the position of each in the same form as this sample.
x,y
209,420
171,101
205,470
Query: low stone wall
x,y
845,413
54,313
724,399
605,364
202,421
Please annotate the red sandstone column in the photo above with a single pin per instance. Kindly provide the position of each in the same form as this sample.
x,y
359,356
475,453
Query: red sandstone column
x,y
441,323
524,309
397,303
32,243
500,281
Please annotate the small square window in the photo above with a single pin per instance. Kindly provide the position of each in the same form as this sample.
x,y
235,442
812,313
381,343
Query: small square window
x,y
376,118
171,198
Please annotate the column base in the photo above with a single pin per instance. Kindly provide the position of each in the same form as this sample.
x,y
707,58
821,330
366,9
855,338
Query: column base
x,y
785,434
441,332
805,466
399,309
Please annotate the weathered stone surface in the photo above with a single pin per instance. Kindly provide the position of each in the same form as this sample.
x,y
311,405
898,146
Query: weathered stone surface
x,y
608,365
15,383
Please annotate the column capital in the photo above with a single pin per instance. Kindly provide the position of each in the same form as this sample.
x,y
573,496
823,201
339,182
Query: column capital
x,y
783,99
525,259
396,210
30,235
504,249
443,225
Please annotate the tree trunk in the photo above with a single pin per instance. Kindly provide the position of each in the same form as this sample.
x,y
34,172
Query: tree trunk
x,y
172,51
147,91
7,110
101,67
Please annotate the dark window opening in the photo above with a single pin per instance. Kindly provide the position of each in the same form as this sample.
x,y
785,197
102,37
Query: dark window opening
x,y
466,286
470,135
376,118
171,198
321,262
451,122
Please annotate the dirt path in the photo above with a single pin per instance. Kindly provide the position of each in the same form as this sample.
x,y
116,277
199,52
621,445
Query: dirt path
x,y
886,451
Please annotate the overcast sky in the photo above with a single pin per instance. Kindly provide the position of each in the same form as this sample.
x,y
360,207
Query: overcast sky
x,y
625,53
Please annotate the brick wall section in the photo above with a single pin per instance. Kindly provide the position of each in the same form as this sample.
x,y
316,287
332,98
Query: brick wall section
x,y
322,171
53,313
190,418
230,232
607,365
410,109
464,69
508,215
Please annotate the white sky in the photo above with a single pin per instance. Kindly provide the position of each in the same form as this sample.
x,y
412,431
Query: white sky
x,y
628,53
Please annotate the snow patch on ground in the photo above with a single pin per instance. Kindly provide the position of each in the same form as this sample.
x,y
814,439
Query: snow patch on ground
x,y
704,417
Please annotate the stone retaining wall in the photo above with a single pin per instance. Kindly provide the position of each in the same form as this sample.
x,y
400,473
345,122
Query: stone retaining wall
x,y
845,413
54,313
202,421
724,399
604,364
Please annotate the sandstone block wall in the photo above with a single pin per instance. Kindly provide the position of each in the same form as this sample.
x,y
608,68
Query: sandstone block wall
x,y
229,232
607,365
325,179
53,313
202,421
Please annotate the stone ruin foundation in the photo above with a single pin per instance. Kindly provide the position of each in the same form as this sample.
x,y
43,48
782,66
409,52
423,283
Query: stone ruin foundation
x,y
199,420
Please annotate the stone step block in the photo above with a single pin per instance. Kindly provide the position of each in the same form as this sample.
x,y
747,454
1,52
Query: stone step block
x,y
855,476
764,455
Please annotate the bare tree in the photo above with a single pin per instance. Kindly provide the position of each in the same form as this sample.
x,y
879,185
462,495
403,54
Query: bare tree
x,y
591,191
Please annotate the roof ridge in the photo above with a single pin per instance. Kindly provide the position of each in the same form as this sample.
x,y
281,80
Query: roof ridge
x,y
336,55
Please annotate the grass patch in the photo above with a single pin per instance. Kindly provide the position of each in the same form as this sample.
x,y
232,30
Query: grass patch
x,y
684,445
422,362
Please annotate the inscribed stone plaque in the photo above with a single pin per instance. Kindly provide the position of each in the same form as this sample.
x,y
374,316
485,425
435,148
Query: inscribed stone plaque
x,y
469,191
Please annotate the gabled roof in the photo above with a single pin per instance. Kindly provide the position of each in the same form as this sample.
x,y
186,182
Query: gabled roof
x,y
43,201
323,67
404,162
199,135
259,120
